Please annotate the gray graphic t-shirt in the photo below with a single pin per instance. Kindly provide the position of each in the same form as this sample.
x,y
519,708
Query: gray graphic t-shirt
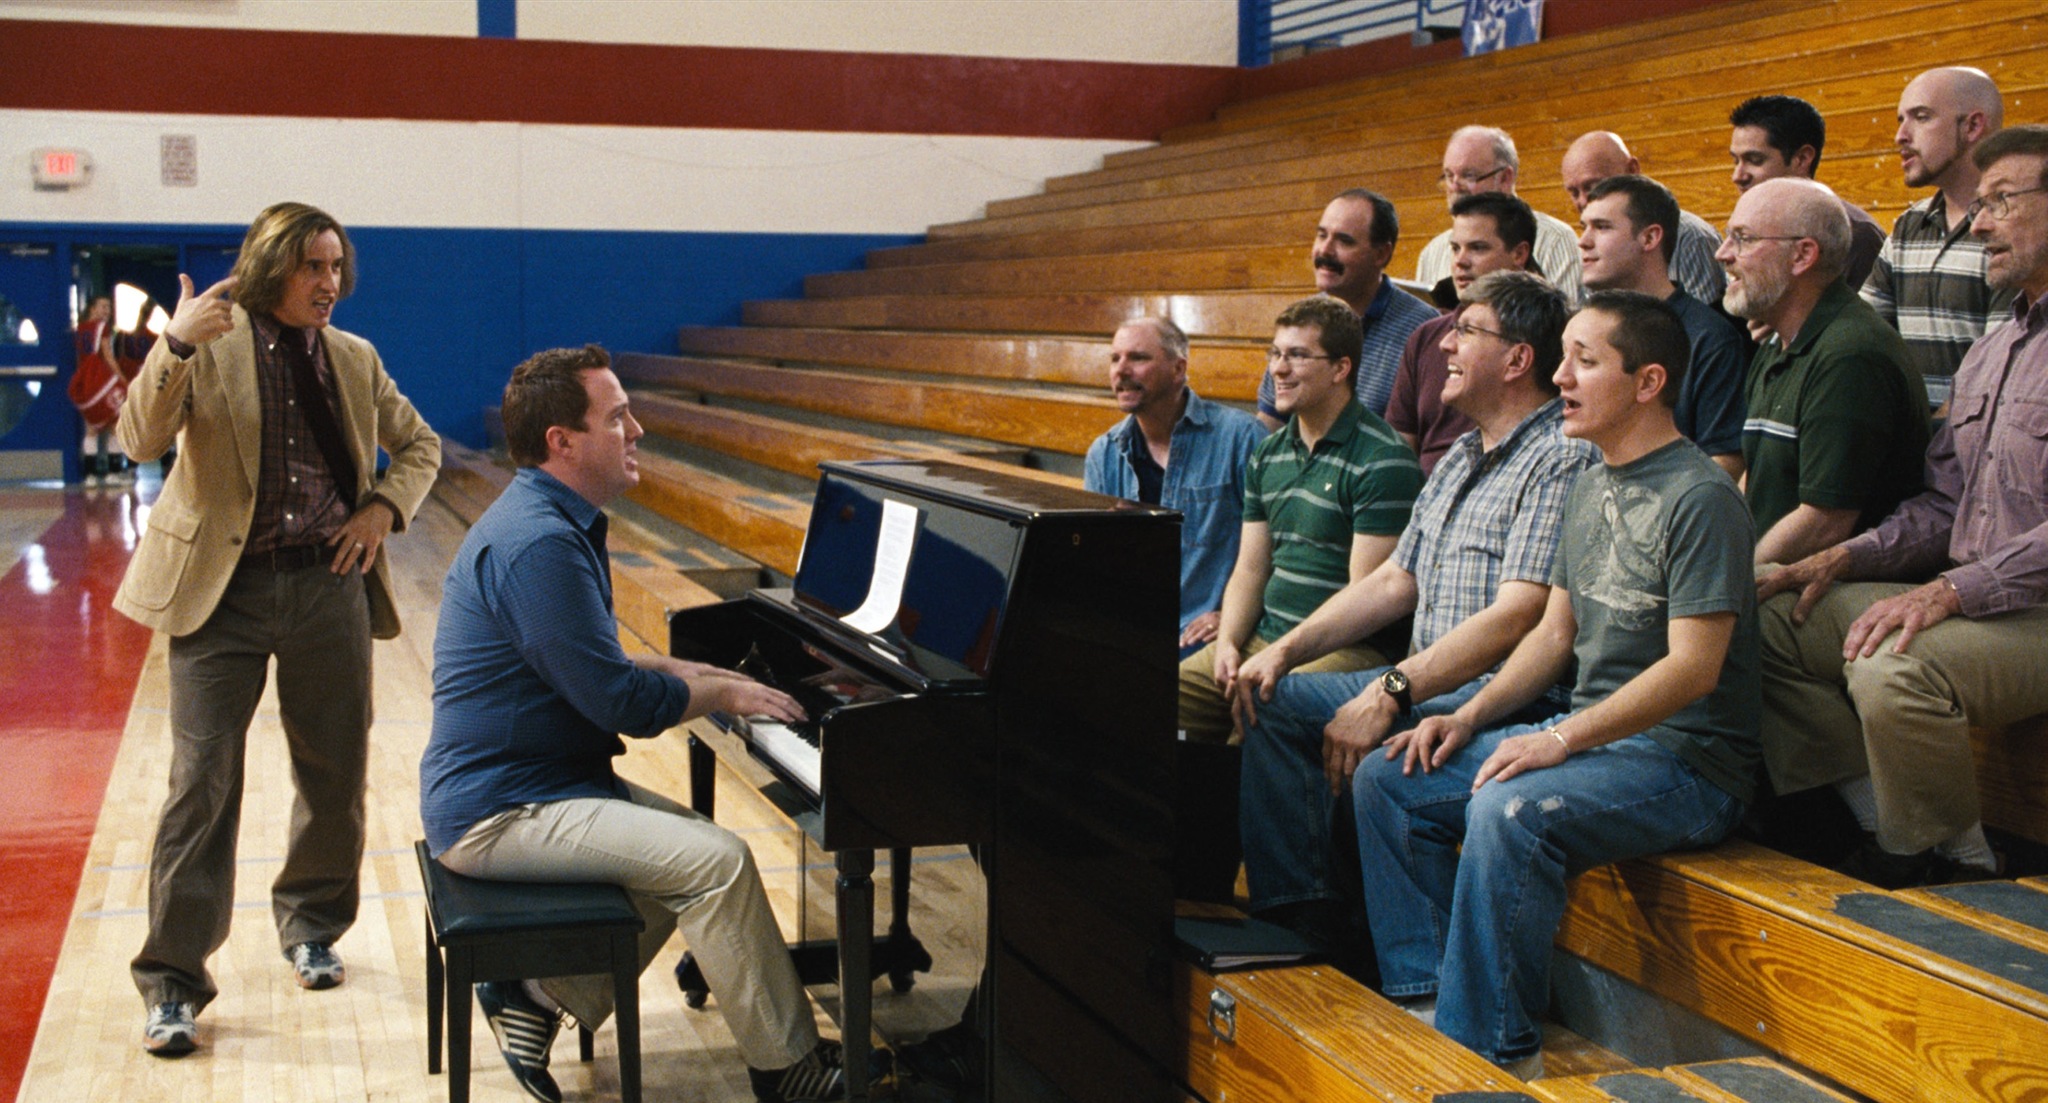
x,y
1666,536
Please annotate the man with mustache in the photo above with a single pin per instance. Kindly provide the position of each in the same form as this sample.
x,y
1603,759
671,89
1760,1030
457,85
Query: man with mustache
x,y
1873,685
1837,417
1929,278
1355,239
1490,232
1179,450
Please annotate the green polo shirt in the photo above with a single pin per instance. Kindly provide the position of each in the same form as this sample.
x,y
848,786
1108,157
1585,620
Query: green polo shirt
x,y
1838,421
1359,479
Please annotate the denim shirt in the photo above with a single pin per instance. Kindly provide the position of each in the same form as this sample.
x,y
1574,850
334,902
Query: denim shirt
x,y
1204,481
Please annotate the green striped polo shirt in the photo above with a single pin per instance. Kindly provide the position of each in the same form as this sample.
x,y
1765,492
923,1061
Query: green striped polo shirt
x,y
1359,479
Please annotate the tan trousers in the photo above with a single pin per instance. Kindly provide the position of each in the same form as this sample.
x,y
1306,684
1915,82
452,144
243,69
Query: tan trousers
x,y
1903,719
1205,712
317,625
680,870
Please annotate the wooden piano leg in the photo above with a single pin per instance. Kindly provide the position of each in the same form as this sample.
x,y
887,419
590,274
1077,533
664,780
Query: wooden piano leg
x,y
856,891
703,777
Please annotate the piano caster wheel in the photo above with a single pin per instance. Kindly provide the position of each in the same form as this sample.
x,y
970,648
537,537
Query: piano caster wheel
x,y
901,982
695,998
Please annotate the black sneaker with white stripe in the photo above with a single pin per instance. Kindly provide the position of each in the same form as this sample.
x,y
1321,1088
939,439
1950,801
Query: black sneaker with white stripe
x,y
818,1077
525,1030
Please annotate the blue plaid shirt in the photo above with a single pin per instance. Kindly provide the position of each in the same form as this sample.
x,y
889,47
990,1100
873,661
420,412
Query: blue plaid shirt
x,y
1391,317
1485,518
531,686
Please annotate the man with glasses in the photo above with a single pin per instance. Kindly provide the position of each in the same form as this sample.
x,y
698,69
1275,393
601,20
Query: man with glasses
x,y
1490,232
1470,826
1179,450
1782,136
1483,159
1325,498
1929,278
1473,569
1872,685
1355,239
1837,416
1629,225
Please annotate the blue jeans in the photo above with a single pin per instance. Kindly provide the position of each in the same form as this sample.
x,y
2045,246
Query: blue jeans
x,y
1477,930
1285,806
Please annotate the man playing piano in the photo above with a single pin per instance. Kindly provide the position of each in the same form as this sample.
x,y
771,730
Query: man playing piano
x,y
531,687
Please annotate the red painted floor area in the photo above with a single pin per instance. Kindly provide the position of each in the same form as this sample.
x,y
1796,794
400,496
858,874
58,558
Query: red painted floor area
x,y
68,668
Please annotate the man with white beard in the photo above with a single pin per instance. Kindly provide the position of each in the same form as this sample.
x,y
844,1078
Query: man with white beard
x,y
1837,420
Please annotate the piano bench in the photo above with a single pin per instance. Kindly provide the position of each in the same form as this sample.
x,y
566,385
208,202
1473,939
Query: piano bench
x,y
521,930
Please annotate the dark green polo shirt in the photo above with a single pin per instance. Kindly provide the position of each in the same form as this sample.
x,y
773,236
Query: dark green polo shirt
x,y
1360,479
1838,421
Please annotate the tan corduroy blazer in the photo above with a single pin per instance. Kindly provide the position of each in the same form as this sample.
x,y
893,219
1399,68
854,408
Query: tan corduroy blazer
x,y
208,405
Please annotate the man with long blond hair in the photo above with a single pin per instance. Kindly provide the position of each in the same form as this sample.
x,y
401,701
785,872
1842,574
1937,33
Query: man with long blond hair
x,y
266,543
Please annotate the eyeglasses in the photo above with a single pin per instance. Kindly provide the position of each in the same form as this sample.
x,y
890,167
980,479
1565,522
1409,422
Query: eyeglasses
x,y
1466,330
1470,179
1998,203
1743,239
1294,357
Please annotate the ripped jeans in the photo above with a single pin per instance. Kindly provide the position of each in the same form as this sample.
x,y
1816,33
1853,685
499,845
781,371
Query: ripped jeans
x,y
1476,927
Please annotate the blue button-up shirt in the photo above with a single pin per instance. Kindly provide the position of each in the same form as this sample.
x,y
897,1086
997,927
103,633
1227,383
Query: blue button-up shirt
x,y
1204,480
531,685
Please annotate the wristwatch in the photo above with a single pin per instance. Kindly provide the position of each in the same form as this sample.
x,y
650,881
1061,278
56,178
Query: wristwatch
x,y
1395,685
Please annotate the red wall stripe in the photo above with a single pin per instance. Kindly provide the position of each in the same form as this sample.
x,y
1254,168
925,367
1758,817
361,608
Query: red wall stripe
x,y
114,67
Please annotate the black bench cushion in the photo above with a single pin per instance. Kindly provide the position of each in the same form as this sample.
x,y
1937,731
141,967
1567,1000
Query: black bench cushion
x,y
466,906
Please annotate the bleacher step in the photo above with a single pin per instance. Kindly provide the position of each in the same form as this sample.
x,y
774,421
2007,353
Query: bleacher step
x,y
1797,959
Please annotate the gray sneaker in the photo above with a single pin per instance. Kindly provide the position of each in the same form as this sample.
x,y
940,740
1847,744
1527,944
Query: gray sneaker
x,y
317,965
170,1031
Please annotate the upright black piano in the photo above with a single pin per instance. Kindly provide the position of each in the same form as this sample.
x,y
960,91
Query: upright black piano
x,y
987,659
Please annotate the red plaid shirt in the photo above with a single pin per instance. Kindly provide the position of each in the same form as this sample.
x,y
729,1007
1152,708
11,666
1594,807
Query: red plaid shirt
x,y
297,502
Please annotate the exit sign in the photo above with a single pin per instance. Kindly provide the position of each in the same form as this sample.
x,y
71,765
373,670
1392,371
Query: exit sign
x,y
58,169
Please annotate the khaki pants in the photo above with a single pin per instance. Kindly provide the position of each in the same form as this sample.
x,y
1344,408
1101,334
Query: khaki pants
x,y
317,624
1903,719
681,870
1205,712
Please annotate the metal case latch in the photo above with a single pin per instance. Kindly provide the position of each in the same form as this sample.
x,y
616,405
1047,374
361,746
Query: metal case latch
x,y
1222,1015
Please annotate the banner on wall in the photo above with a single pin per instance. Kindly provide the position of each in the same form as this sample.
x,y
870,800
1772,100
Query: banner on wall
x,y
1500,24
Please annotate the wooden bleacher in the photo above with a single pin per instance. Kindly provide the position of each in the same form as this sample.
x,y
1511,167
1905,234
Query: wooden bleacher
x,y
987,341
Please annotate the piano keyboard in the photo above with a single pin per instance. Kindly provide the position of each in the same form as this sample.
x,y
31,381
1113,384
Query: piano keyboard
x,y
794,749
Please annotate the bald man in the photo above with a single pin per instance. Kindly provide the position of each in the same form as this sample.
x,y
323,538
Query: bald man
x,y
1838,420
1483,159
1595,156
1929,278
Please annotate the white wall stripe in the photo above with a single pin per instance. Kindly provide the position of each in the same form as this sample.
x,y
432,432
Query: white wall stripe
x,y
529,176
